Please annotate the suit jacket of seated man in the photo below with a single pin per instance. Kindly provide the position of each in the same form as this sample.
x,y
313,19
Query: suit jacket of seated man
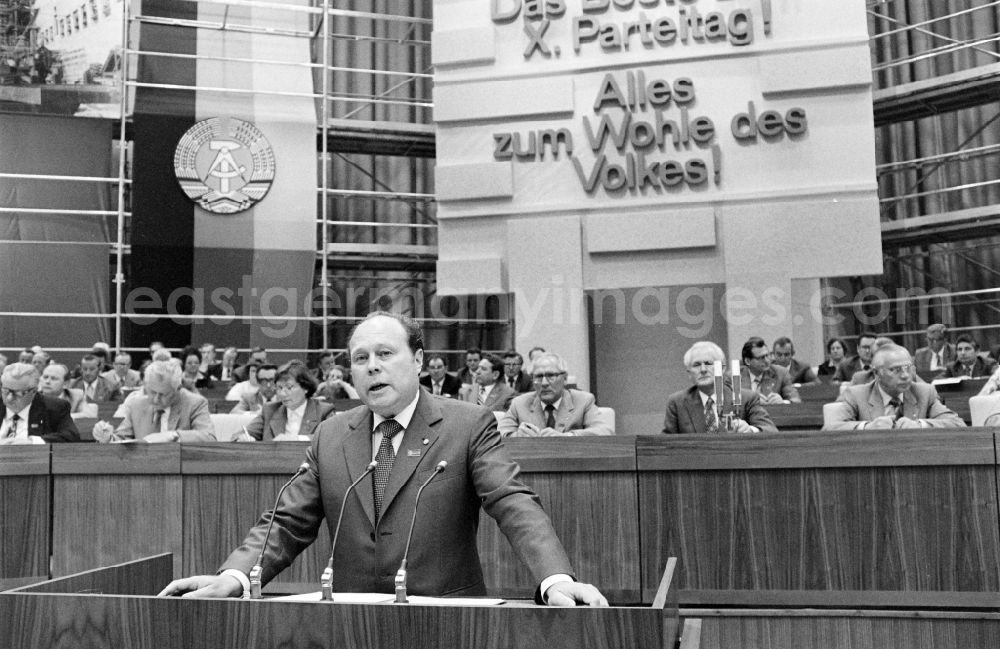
x,y
132,379
869,375
252,402
522,382
443,557
577,412
849,367
271,420
189,416
981,368
498,399
49,418
104,391
686,413
859,404
922,358
450,385
777,377
800,372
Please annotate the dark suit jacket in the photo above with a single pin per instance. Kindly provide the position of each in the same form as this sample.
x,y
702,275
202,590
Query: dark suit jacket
x,y
686,415
777,378
980,367
522,383
270,421
449,386
848,367
104,391
443,558
49,418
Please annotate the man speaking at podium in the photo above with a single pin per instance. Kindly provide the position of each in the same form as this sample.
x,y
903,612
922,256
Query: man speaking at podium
x,y
408,431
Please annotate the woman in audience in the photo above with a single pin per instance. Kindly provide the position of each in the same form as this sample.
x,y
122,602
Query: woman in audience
x,y
245,388
836,351
296,415
193,378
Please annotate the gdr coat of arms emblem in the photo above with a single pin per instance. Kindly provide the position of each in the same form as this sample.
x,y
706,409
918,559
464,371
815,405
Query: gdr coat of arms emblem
x,y
225,165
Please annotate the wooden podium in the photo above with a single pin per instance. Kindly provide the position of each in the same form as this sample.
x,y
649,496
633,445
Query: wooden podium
x,y
114,607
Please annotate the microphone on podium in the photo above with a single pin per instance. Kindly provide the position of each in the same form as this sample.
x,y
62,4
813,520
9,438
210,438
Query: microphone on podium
x,y
327,579
255,572
401,573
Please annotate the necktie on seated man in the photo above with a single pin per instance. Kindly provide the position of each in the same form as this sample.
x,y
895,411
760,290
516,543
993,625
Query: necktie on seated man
x,y
385,457
158,420
550,416
895,408
711,419
13,426
482,395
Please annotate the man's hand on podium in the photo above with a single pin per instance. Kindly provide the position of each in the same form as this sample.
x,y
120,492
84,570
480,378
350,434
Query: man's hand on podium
x,y
573,593
203,586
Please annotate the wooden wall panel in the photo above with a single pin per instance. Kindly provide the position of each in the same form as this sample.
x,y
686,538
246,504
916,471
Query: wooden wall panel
x,y
24,526
220,509
847,630
594,515
869,528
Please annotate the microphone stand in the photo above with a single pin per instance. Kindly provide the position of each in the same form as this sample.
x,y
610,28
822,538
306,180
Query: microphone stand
x,y
258,568
401,573
326,580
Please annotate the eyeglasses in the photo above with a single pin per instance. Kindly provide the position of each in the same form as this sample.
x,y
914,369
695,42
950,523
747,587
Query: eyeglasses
x,y
549,376
900,370
265,381
512,364
287,387
17,394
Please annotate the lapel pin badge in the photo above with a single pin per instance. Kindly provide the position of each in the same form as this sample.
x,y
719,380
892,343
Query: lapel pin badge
x,y
413,452
425,441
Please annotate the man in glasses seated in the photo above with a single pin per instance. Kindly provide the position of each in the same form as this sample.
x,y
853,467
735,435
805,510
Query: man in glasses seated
x,y
553,409
27,417
893,400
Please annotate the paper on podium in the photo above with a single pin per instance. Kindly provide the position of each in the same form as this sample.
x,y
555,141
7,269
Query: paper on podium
x,y
385,598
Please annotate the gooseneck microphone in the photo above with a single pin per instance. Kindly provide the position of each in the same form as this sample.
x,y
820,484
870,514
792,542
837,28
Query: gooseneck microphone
x,y
401,573
327,579
257,569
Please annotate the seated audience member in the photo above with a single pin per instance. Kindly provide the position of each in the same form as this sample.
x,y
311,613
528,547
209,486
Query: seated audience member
x,y
3,362
836,351
861,361
553,409
101,351
26,355
695,410
122,376
938,354
327,361
489,391
209,365
26,415
336,386
892,400
40,360
867,376
193,379
295,416
162,412
771,382
467,375
513,373
438,380
968,363
227,366
266,392
96,389
258,355
783,353
244,388
53,384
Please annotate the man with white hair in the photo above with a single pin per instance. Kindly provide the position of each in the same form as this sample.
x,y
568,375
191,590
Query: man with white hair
x,y
696,409
28,417
553,409
162,411
893,400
